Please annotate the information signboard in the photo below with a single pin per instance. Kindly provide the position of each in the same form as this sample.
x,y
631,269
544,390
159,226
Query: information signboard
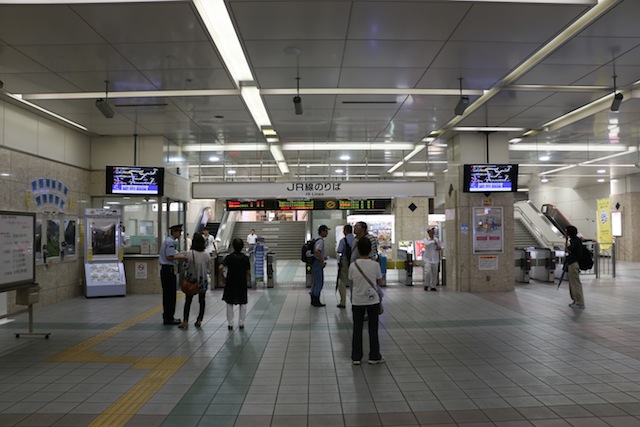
x,y
17,257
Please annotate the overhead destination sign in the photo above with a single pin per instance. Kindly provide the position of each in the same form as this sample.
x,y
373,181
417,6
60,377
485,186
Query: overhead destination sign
x,y
318,205
337,190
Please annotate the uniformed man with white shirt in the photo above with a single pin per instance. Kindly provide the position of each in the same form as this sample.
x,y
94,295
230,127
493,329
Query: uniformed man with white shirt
x,y
167,257
431,258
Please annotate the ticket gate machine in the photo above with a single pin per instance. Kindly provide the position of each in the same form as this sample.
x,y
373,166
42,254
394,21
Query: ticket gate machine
x,y
543,264
522,265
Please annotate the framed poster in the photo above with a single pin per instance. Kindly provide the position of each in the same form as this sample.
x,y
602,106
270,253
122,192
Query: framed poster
x,y
488,232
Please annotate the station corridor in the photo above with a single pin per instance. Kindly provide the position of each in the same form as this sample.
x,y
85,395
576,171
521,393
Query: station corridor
x,y
521,358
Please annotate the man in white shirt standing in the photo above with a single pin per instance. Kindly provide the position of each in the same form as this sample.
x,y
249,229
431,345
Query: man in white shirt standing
x,y
252,238
431,258
209,242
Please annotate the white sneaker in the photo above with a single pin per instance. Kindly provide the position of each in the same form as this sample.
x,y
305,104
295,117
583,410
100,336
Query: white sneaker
x,y
375,362
356,362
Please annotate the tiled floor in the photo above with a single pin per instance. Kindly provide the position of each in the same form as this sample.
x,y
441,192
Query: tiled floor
x,y
521,358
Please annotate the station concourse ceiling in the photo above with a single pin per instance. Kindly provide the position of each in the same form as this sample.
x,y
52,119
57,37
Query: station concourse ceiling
x,y
379,82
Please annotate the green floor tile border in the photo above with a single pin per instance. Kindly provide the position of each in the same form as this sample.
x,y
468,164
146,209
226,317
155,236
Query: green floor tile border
x,y
230,367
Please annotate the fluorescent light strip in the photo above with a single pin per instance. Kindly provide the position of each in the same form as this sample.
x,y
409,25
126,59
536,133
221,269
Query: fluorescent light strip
x,y
276,152
487,129
611,156
407,157
371,91
583,112
216,18
557,170
225,147
355,146
414,174
577,26
554,88
566,147
132,94
45,111
251,96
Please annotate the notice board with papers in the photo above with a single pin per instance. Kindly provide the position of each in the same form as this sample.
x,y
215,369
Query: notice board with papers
x,y
17,251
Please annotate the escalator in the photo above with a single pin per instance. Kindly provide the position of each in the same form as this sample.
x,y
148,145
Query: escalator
x,y
555,216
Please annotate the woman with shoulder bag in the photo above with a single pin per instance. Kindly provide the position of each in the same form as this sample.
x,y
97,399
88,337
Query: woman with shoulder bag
x,y
235,288
197,267
366,297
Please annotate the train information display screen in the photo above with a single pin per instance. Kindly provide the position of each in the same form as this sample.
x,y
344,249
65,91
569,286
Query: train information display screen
x,y
490,178
293,205
135,180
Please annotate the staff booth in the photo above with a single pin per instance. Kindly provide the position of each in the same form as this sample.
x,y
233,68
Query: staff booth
x,y
103,266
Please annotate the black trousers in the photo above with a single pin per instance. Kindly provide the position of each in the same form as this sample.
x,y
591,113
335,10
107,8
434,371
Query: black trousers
x,y
187,307
358,321
168,280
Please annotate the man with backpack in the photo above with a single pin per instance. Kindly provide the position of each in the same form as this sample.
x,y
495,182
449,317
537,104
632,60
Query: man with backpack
x,y
317,266
574,249
344,249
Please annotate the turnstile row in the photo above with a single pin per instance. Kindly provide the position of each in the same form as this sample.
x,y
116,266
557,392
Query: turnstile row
x,y
535,263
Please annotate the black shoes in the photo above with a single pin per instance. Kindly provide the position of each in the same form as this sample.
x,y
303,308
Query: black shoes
x,y
315,301
172,322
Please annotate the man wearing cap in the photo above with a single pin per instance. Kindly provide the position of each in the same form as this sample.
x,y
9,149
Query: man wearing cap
x,y
168,255
317,266
431,259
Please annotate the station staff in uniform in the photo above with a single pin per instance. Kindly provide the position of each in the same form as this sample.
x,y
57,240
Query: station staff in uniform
x,y
167,257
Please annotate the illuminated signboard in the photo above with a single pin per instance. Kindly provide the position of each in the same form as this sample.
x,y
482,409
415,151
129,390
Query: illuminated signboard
x,y
293,205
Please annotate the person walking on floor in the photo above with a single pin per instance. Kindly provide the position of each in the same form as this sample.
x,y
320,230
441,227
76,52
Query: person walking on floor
x,y
317,266
167,257
366,277
235,288
572,267
196,266
431,259
344,249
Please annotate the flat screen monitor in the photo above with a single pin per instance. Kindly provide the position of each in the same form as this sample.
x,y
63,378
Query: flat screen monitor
x,y
493,178
135,180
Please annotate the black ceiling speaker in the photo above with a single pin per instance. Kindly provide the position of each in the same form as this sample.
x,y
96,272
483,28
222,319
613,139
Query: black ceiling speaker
x,y
297,101
617,98
105,108
297,104
463,103
103,103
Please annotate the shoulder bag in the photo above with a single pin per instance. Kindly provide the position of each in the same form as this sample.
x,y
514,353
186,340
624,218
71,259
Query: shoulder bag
x,y
189,287
371,284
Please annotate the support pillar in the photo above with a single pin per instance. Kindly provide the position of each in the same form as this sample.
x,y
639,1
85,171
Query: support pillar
x,y
482,271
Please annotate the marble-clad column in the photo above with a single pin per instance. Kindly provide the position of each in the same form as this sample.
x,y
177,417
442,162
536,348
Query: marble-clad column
x,y
468,271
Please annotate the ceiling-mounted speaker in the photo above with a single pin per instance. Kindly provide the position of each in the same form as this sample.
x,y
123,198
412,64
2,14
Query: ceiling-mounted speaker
x,y
104,108
617,100
297,104
462,105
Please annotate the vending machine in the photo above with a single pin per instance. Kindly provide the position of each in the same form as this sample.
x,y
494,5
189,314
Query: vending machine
x,y
103,253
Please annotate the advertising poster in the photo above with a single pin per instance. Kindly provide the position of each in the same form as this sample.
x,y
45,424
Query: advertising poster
x,y
488,233
603,225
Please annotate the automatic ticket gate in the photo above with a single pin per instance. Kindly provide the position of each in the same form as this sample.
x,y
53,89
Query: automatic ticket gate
x,y
405,275
522,265
543,264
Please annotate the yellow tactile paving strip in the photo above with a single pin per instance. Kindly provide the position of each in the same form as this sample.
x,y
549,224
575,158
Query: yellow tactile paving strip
x,y
160,370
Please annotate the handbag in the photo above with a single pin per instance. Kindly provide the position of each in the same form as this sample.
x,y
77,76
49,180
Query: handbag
x,y
372,285
188,287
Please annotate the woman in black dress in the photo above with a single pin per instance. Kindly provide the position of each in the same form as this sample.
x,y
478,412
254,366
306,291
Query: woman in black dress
x,y
235,288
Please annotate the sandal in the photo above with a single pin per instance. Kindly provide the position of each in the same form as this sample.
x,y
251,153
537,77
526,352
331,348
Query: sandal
x,y
183,325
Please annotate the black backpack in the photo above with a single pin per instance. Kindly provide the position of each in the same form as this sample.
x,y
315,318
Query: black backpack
x,y
306,249
585,259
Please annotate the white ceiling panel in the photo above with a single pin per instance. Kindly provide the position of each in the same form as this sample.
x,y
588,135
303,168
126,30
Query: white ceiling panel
x,y
375,51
